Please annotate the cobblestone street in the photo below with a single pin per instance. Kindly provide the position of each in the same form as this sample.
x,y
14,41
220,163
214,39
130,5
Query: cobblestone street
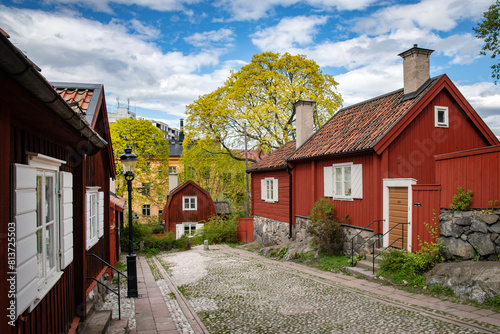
x,y
234,291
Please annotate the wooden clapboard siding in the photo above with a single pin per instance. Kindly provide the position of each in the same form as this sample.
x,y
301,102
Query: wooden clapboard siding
x,y
278,210
425,212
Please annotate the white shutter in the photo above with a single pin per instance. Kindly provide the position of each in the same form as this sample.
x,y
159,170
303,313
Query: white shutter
x,y
179,231
357,181
275,190
66,217
263,190
100,220
328,181
24,213
87,221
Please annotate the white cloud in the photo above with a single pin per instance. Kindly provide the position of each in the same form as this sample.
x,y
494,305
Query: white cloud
x,y
106,5
74,49
341,4
208,38
288,32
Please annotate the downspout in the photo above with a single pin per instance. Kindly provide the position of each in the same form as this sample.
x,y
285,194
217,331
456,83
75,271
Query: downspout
x,y
290,200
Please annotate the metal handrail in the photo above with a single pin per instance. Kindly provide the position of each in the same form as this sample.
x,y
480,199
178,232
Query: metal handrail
x,y
392,243
359,246
108,288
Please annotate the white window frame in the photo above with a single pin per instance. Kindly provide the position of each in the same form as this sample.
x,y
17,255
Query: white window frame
x,y
339,170
32,287
269,190
190,201
94,216
356,181
445,123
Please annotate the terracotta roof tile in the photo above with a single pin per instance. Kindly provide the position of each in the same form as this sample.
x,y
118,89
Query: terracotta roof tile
x,y
78,99
359,127
275,160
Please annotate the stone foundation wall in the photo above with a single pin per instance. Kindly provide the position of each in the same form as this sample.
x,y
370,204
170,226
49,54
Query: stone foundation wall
x,y
273,232
469,234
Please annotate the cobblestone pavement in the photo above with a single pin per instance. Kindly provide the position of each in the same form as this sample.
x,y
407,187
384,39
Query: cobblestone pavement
x,y
236,291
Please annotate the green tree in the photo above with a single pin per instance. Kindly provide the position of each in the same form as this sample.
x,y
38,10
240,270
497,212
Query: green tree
x,y
151,174
261,95
488,30
206,164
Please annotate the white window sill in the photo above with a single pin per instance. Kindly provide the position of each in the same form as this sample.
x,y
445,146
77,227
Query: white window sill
x,y
348,199
45,288
92,242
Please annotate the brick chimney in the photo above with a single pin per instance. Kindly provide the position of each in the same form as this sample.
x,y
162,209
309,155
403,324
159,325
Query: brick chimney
x,y
304,122
173,181
416,68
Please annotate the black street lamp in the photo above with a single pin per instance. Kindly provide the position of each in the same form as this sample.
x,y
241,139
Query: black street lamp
x,y
129,160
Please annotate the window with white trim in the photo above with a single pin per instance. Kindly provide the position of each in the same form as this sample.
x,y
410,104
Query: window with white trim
x,y
441,119
269,189
43,219
189,228
343,181
94,216
189,203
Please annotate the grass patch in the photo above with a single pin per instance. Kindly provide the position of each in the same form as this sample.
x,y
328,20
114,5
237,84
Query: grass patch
x,y
333,263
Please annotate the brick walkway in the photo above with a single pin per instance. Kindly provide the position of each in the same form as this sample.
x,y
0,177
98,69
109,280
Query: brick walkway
x,y
151,313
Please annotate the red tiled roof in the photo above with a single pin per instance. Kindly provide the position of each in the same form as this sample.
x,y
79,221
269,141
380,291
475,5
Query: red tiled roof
x,y
78,99
275,160
359,127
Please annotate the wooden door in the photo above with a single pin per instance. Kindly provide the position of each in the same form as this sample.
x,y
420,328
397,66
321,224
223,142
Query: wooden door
x,y
398,213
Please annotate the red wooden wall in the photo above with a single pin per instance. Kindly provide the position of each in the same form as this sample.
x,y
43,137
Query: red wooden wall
x,y
477,170
278,210
176,215
245,229
426,209
411,155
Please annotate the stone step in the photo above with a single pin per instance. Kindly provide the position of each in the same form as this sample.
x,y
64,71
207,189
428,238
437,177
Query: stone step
x,y
357,271
98,322
118,326
367,265
369,258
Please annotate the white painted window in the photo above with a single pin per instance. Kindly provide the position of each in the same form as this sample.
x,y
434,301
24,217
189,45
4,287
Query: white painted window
x,y
189,228
189,203
186,228
43,219
94,216
441,119
269,189
343,181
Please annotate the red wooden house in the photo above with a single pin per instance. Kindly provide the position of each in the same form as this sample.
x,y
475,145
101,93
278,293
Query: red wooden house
x,y
188,206
368,156
57,162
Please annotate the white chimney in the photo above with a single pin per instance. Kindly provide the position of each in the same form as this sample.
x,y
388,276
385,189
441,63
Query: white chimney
x,y
304,122
173,181
416,68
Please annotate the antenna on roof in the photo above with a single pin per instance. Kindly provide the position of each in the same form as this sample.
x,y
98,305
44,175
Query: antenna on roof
x,y
128,103
118,101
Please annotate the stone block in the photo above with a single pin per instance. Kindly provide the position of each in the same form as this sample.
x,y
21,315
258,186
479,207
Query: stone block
x,y
482,243
479,226
489,219
464,221
452,248
495,228
448,229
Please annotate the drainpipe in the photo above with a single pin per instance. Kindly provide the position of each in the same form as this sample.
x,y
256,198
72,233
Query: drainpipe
x,y
290,197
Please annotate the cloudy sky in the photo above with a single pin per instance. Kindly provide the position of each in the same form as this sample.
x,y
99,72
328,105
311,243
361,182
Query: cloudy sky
x,y
163,54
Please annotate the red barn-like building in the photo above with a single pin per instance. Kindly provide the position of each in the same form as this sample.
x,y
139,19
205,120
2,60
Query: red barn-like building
x,y
188,205
368,156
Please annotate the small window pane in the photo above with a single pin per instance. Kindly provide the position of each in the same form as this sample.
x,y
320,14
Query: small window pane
x,y
39,254
39,209
49,198
441,116
50,247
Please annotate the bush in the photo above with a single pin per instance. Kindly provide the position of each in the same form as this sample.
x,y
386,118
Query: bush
x,y
140,232
461,200
217,230
325,227
160,243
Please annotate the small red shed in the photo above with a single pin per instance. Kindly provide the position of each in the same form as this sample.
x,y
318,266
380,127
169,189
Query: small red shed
x,y
188,206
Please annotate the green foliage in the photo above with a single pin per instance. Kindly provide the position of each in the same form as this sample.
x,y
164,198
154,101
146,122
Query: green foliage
x,y
334,263
325,227
160,243
262,96
152,150
441,290
461,200
494,303
217,230
489,30
140,232
206,164
429,250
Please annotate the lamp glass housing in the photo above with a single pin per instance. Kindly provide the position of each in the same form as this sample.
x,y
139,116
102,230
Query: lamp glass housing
x,y
129,160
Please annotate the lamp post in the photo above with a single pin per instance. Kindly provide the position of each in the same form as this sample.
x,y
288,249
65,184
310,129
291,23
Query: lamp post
x,y
129,160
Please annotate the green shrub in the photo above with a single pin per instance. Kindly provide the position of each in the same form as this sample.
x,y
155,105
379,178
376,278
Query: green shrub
x,y
182,242
217,230
325,227
140,232
161,243
461,200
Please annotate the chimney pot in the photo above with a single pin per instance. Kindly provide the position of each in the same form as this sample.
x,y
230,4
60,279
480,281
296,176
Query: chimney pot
x,y
416,68
304,122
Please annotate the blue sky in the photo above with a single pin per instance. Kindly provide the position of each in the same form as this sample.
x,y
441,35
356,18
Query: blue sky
x,y
163,54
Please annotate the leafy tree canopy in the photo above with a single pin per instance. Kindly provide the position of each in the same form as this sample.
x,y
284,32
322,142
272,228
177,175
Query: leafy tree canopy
x,y
488,30
151,148
216,172
261,95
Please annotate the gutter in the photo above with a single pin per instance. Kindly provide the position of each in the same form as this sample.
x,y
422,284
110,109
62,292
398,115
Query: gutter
x,y
290,196
22,70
